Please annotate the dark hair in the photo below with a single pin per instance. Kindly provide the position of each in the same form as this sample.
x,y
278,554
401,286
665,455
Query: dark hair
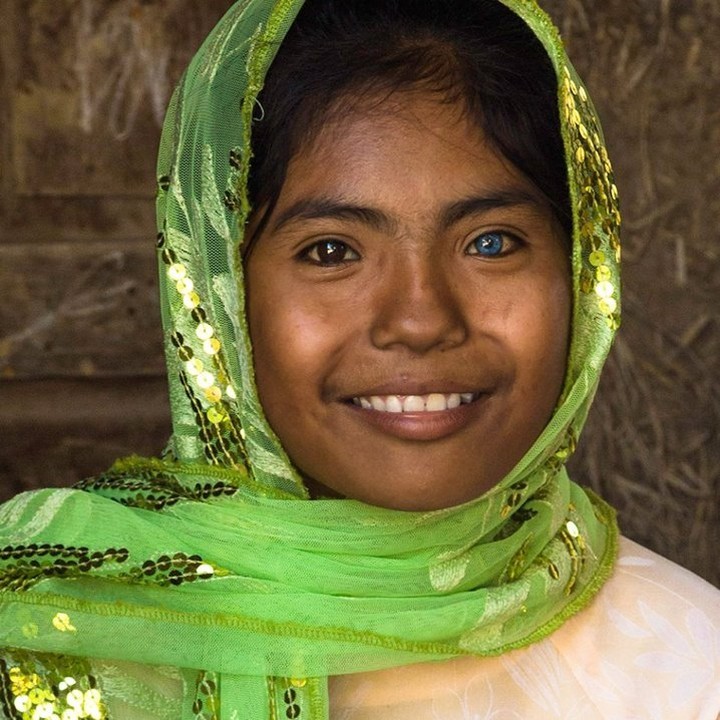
x,y
477,52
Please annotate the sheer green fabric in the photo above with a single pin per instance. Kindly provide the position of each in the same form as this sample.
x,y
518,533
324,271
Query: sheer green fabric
x,y
213,560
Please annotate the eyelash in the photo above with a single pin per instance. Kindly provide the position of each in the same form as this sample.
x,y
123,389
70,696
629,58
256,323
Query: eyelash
x,y
494,236
500,240
340,247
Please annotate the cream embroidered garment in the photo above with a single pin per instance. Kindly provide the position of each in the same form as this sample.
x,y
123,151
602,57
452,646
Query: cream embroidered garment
x,y
648,648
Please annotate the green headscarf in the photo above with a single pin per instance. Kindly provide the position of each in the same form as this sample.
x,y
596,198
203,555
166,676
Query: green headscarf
x,y
213,559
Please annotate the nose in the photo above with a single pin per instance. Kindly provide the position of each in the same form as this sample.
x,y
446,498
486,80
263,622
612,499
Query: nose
x,y
418,306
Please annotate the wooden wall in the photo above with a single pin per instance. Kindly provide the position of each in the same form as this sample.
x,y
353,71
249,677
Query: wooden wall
x,y
84,88
83,85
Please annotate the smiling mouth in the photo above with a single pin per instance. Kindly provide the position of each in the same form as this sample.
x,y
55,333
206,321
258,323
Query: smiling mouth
x,y
432,402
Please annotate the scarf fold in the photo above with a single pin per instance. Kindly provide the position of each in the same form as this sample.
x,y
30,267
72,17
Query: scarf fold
x,y
213,559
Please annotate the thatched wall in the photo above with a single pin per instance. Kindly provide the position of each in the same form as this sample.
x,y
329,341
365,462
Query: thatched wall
x,y
83,87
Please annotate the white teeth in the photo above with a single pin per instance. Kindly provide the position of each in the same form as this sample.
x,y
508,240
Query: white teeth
x,y
393,404
413,403
434,402
453,401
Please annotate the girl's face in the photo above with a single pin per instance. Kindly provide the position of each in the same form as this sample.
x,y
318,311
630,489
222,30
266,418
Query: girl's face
x,y
409,308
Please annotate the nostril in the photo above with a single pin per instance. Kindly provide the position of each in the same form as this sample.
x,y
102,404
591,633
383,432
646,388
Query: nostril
x,y
419,328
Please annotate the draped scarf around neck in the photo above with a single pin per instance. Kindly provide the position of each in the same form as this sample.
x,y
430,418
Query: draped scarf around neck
x,y
213,559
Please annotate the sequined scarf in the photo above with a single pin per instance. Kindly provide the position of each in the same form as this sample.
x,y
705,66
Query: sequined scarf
x,y
213,559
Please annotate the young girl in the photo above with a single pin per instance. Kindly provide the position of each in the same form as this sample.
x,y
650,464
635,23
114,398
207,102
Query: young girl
x,y
389,271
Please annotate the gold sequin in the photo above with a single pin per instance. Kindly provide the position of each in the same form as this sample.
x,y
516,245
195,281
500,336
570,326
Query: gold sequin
x,y
215,416
185,286
597,258
61,622
44,711
75,698
177,272
598,216
191,300
204,331
211,346
213,394
603,273
205,380
195,366
230,392
37,696
607,305
49,693
563,453
205,570
91,704
572,529
604,289
22,703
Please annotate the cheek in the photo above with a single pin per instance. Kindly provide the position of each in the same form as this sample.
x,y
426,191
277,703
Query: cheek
x,y
546,337
293,345
531,320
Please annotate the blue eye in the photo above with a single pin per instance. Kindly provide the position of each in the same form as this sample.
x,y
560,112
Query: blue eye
x,y
487,245
490,244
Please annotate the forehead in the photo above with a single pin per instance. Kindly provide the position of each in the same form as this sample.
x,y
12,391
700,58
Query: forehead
x,y
411,145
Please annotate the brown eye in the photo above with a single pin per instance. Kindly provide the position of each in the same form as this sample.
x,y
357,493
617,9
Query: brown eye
x,y
329,252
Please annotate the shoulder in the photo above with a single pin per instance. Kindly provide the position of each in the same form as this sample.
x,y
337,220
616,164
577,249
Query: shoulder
x,y
651,636
643,575
648,646
649,588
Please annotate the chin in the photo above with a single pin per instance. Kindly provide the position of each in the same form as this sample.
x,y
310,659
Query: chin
x,y
407,496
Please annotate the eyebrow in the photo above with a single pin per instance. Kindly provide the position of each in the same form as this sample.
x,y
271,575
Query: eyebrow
x,y
329,208
339,209
477,205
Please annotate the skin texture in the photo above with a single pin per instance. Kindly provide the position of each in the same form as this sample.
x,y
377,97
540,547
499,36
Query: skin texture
x,y
367,280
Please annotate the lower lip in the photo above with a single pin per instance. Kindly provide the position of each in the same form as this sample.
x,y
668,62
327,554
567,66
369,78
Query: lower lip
x,y
421,426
